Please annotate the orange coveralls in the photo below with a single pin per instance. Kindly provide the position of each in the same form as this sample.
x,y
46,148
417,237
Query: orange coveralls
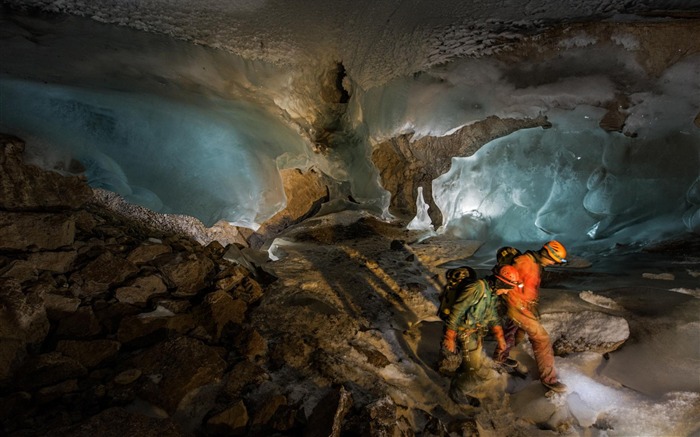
x,y
523,315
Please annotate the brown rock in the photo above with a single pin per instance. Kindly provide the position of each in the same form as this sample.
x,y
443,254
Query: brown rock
x,y
231,276
12,352
219,309
697,120
232,421
20,270
118,422
147,252
327,417
26,187
190,364
32,231
248,290
22,313
89,353
148,328
614,119
404,164
56,262
128,376
187,274
14,404
254,345
103,272
305,193
244,374
51,393
82,323
48,369
267,408
141,290
58,306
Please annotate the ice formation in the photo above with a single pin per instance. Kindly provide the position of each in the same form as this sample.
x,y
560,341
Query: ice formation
x,y
203,133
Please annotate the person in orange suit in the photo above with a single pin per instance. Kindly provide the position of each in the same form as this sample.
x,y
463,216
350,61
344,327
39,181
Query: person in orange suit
x,y
523,314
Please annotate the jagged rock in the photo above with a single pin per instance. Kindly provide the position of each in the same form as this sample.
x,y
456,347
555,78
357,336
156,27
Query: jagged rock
x,y
102,273
232,421
58,306
293,352
614,119
141,290
404,164
26,187
327,416
174,306
305,193
56,391
20,270
254,345
48,369
243,374
128,376
118,422
187,274
82,323
12,353
383,417
89,353
219,309
56,262
35,231
148,328
585,331
266,409
231,276
374,357
14,404
22,316
190,364
147,252
249,290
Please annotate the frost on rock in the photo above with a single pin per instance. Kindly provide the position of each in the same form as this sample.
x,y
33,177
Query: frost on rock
x,y
585,331
601,301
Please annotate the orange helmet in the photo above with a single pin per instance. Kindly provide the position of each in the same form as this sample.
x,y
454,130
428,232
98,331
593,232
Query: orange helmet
x,y
509,276
555,251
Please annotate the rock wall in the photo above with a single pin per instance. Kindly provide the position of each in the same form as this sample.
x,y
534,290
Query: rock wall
x,y
111,328
404,165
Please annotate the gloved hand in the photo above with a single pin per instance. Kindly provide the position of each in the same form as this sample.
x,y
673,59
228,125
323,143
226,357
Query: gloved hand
x,y
449,341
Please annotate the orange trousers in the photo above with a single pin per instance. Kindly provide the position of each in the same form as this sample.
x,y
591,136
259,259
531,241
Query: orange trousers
x,y
523,321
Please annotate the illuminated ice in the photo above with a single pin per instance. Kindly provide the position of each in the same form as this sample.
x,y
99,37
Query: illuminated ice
x,y
206,158
422,221
573,184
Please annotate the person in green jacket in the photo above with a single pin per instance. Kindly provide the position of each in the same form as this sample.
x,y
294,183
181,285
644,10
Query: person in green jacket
x,y
473,311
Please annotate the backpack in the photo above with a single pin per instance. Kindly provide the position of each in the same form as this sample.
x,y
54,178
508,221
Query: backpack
x,y
505,255
455,279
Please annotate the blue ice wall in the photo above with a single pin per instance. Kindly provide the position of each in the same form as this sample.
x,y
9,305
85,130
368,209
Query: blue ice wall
x,y
208,158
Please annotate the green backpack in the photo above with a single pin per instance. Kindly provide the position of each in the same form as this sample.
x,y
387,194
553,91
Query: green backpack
x,y
455,278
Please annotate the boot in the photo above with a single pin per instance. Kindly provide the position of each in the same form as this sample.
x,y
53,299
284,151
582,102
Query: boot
x,y
556,386
459,397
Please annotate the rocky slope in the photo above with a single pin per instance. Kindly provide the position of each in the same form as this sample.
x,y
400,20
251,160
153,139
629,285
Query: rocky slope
x,y
111,326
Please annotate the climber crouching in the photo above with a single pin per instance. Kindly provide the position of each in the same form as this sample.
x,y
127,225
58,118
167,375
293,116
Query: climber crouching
x,y
472,312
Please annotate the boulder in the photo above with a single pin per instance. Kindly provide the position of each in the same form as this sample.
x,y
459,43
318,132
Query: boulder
x,y
585,331
190,364
27,187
